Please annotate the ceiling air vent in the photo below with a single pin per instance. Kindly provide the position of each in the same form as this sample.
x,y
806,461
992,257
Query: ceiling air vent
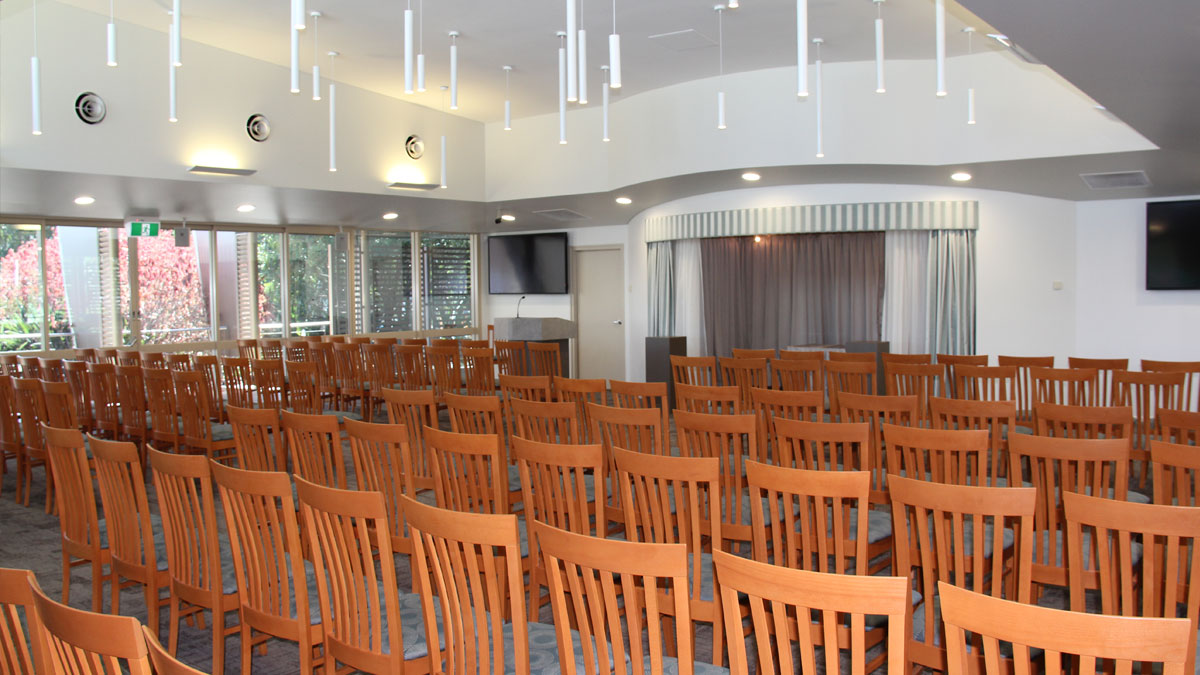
x,y
90,108
258,127
561,215
1116,179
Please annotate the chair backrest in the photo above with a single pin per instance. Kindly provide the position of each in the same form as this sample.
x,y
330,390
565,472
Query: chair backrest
x,y
76,374
247,348
838,602
416,342
1176,473
349,366
74,491
270,383
1023,382
1075,421
86,355
1088,640
854,377
327,369
239,383
9,365
753,353
605,578
582,392
1065,386
161,659
812,520
131,391
89,643
60,405
545,358
1190,398
303,387
22,645
444,369
745,374
511,358
31,410
801,355
731,439
468,566
182,361
939,455
554,484
1146,393
987,383
10,425
411,371
998,418
381,457
951,362
104,401
258,438
891,359
479,369
129,357
154,360
470,471
416,409
543,421
922,380
1179,426
850,357
271,348
634,429
297,350
1104,373
718,400
700,371
643,395
878,411
108,356
772,404
356,590
528,387
30,367
474,414
126,508
195,414
315,445
358,340
799,375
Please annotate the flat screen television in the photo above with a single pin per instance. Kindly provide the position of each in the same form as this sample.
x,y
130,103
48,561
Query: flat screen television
x,y
1173,245
528,264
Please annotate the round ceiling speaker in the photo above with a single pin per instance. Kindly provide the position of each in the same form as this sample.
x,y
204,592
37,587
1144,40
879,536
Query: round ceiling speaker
x,y
90,108
258,127
414,146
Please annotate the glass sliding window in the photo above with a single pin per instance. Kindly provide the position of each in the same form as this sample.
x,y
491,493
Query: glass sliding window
x,y
259,275
446,280
21,287
173,287
91,294
387,280
317,284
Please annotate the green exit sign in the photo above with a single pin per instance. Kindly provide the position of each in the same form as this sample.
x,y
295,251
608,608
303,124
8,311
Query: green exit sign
x,y
141,228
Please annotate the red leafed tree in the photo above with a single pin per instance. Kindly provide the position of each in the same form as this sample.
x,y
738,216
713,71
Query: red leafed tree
x,y
170,290
21,289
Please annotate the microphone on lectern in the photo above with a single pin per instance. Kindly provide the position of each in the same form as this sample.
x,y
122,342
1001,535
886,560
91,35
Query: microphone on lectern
x,y
519,307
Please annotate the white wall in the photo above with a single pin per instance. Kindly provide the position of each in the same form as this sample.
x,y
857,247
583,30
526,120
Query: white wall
x,y
1116,315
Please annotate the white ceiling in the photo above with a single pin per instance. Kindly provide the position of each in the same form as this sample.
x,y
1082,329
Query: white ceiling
x,y
369,36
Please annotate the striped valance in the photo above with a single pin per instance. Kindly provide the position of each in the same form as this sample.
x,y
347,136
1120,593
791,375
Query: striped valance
x,y
814,218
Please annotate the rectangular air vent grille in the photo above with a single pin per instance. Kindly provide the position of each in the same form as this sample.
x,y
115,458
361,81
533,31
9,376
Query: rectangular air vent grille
x,y
1116,179
561,215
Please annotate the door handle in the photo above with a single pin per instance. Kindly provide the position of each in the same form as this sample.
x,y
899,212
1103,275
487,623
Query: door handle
x,y
618,322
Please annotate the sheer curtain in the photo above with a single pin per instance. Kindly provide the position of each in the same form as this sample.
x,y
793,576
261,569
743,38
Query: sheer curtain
x,y
906,291
661,289
689,296
951,281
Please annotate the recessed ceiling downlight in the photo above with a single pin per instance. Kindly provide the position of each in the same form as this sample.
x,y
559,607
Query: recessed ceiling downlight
x,y
85,200
391,215
507,217
624,201
751,176
245,208
960,176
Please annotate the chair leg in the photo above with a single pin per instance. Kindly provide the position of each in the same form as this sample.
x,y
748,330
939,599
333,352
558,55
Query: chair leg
x,y
115,607
66,584
218,637
246,648
22,478
98,587
150,592
173,627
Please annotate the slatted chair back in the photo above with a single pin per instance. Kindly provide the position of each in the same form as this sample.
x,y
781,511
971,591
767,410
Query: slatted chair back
x,y
582,392
270,383
1104,373
411,371
1063,421
86,355
356,590
474,414
181,361
1065,386
129,357
474,344
161,660
416,409
297,349
247,348
444,369
878,411
977,538
527,387
745,374
195,415
753,353
78,517
258,438
840,604
643,395
107,356
771,404
164,411
389,341
890,359
988,383
315,445
852,377
1176,473
10,425
302,388
1121,546
264,538
1146,393
799,375
922,380
605,578
335,339
801,355
30,405
358,340
184,490
698,371
131,392
634,429
381,457
379,371
154,360
239,381
1056,466
732,439
479,369
30,367
1179,426
951,362
545,358
271,348
352,376
939,455
419,342
470,471
60,405
22,645
717,400
467,567
9,365
545,422
75,373
327,373
997,418
511,358
850,357
1190,398
1023,383
89,643
105,404
824,446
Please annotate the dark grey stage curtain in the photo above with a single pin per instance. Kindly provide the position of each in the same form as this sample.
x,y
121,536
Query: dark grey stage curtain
x,y
792,289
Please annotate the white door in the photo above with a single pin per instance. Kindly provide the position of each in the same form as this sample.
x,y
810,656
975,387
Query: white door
x,y
599,290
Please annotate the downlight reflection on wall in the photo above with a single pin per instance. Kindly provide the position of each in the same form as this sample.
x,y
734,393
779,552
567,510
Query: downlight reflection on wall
x,y
215,157
407,173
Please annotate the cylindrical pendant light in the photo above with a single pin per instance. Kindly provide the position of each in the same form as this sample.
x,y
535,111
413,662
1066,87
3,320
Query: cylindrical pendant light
x,y
614,54
35,79
879,86
820,121
301,16
295,86
507,100
408,50
177,34
454,70
332,113
939,21
604,103
720,9
720,110
316,74
802,47
421,49
172,86
572,53
111,61
581,43
562,88
443,183
970,31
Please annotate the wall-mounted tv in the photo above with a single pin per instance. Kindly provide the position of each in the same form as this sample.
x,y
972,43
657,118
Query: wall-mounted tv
x,y
1173,245
528,263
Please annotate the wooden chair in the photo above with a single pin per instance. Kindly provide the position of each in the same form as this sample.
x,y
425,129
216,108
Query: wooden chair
x,y
940,455
351,377
850,357
557,488
1068,421
418,342
327,373
78,517
109,356
854,377
698,371
951,362
840,604
129,357
315,445
381,461
745,374
444,370
31,411
1146,393
605,578
22,645
239,382
467,566
164,414
1141,556
1104,373
635,429
86,355
31,368
479,371
545,358
247,349
75,373
581,393
131,395
730,439
924,381
643,395
753,353
1087,640
154,360
303,388
135,551
10,428
528,387
890,359
411,371
511,358
1179,426
475,344
105,403
9,365
274,592
60,405
271,349
676,500
474,414
1176,473
89,642
469,471
771,404
964,536
1023,383
878,411
801,355
417,410
198,431
161,660
367,624
988,383
798,375
1056,466
270,383
825,446
358,340
1065,386
708,399
179,361
997,418
258,439
1190,398
335,339
545,422
297,350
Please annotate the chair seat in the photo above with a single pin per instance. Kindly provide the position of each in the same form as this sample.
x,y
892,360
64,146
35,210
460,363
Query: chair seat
x,y
222,432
